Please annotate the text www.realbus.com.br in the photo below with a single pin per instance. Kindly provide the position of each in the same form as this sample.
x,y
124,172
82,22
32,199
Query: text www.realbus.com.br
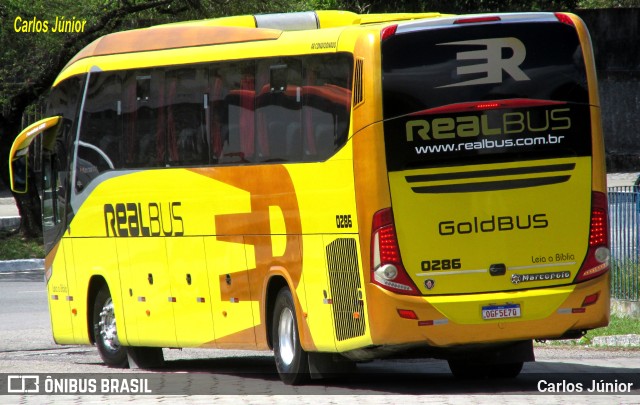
x,y
485,144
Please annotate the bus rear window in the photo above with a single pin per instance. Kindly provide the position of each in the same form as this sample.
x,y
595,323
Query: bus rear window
x,y
484,93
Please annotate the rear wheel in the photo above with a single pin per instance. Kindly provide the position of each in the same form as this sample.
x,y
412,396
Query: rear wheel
x,y
470,370
105,332
292,361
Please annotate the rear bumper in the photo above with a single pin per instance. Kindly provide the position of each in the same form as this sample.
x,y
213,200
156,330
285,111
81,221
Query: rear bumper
x,y
456,320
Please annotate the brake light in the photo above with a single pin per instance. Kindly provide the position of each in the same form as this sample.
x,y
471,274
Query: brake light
x,y
475,20
388,32
597,260
565,19
473,106
387,270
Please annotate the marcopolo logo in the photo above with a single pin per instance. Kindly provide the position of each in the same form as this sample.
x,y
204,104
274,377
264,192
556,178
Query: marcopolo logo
x,y
496,60
523,278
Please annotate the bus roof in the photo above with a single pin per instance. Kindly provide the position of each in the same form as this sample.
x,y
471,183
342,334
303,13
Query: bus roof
x,y
227,30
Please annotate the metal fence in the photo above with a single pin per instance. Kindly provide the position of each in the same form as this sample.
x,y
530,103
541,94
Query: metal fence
x,y
624,222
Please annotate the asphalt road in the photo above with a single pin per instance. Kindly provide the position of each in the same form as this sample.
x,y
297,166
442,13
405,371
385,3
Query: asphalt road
x,y
216,376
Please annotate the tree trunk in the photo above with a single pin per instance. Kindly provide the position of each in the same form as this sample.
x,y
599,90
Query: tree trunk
x,y
30,210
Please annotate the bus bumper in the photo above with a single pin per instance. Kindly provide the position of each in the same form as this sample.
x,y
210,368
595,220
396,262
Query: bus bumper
x,y
449,321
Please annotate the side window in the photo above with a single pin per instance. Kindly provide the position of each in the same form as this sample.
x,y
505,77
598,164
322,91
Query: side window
x,y
140,113
184,116
100,145
278,110
235,114
326,104
284,109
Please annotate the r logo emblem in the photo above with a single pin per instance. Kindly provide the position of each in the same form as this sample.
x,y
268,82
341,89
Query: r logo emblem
x,y
495,63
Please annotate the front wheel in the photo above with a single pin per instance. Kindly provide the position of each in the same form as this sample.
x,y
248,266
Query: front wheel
x,y
292,361
113,354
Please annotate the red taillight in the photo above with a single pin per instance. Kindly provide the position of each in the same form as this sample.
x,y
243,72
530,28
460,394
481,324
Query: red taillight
x,y
473,106
387,270
598,231
475,20
597,260
388,32
565,19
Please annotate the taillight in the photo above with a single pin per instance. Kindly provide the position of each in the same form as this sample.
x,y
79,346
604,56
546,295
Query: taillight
x,y
477,20
565,19
473,106
387,270
598,255
388,32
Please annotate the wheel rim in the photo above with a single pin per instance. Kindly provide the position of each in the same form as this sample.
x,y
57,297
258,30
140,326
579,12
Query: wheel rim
x,y
107,327
286,336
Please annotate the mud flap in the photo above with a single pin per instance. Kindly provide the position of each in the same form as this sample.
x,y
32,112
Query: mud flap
x,y
328,365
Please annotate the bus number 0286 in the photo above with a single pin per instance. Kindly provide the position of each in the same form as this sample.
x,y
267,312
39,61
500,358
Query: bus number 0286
x,y
344,221
444,264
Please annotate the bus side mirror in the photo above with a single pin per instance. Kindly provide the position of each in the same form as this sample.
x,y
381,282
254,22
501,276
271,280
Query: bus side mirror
x,y
20,152
19,174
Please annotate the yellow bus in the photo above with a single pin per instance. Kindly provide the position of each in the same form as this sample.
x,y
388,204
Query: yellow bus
x,y
330,186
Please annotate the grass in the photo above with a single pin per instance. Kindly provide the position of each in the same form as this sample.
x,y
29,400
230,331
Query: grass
x,y
13,246
617,326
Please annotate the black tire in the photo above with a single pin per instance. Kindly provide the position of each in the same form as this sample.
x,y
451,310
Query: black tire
x,y
506,370
471,371
113,354
292,361
145,357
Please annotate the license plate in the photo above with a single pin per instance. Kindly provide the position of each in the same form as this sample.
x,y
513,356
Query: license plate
x,y
501,311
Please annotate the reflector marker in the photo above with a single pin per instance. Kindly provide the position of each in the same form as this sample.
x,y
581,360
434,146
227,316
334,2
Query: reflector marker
x,y
571,310
172,299
69,298
142,299
234,300
432,322
407,314
590,300
200,299
54,297
328,301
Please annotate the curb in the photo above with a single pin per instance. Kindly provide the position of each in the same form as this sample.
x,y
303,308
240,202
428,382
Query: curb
x,y
9,223
21,265
617,340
